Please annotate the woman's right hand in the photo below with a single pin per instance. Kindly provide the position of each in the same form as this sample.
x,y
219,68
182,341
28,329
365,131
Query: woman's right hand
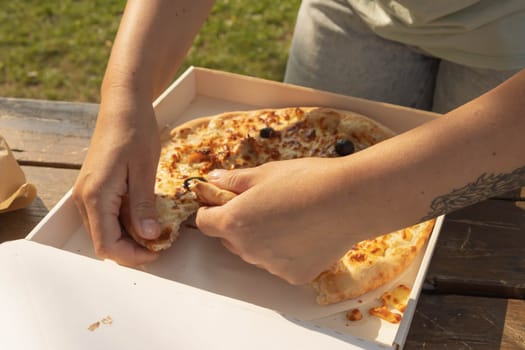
x,y
121,161
151,43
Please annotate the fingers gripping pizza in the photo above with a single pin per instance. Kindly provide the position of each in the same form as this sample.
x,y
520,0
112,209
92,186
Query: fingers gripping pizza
x,y
246,139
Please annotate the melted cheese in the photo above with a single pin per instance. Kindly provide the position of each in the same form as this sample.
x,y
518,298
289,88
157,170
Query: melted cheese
x,y
385,314
397,298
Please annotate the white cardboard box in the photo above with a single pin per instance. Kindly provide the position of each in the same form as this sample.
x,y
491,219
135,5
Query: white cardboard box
x,y
197,295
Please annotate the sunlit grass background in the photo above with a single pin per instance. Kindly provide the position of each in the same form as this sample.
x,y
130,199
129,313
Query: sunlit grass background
x,y
58,49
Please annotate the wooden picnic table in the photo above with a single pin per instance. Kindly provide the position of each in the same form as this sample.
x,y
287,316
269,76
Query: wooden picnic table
x,y
473,296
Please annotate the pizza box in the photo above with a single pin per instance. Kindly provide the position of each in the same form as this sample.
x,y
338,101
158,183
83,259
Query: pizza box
x,y
197,294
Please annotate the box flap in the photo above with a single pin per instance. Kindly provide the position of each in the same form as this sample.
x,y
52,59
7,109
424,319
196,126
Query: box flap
x,y
60,300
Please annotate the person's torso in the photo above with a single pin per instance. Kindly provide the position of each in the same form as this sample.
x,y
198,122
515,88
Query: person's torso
x,y
480,33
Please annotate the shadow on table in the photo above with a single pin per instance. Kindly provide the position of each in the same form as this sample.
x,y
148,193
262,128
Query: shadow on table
x,y
17,224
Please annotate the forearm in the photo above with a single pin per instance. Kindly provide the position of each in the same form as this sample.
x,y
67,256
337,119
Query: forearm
x,y
151,43
463,157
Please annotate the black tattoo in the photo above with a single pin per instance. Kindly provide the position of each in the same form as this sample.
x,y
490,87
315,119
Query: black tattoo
x,y
487,185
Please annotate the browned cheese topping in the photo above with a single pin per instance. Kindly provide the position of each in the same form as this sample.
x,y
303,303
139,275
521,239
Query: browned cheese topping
x,y
354,315
385,314
396,299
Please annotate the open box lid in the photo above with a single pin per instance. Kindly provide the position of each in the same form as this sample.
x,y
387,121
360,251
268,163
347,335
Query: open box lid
x,y
54,299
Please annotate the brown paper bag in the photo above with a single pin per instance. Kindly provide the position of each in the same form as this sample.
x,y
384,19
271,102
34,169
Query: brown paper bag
x,y
15,192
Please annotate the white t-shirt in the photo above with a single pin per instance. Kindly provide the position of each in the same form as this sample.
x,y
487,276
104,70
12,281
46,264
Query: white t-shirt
x,y
478,33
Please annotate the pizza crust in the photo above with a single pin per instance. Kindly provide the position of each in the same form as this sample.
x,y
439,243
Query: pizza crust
x,y
371,263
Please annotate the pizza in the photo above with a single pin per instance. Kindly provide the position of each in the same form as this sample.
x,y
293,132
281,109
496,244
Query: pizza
x,y
243,139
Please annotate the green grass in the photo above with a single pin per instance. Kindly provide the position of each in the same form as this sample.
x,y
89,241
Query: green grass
x,y
58,49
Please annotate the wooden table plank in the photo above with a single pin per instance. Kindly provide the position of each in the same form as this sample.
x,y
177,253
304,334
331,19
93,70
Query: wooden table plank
x,y
51,186
47,132
461,322
481,251
516,195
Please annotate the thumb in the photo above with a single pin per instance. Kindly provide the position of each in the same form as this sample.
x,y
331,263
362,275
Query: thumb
x,y
236,181
142,208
